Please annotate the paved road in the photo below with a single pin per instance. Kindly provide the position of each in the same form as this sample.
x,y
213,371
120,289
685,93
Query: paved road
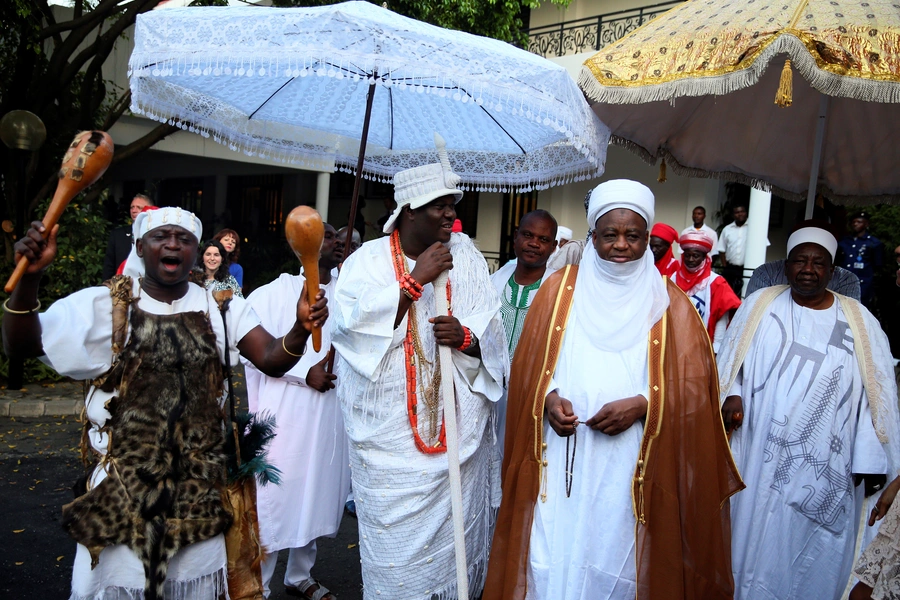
x,y
39,462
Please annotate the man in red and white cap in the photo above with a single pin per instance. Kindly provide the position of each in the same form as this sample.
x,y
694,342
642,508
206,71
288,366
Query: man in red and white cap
x,y
711,295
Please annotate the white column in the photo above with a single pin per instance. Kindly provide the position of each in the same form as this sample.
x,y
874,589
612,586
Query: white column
x,y
757,232
323,182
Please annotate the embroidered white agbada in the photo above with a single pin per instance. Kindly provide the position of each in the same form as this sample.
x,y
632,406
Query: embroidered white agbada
x,y
77,338
808,428
310,444
403,495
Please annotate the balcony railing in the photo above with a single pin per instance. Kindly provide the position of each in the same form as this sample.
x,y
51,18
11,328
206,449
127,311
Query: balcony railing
x,y
592,33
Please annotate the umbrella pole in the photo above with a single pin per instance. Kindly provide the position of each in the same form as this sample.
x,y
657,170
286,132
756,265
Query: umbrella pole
x,y
817,156
447,391
370,97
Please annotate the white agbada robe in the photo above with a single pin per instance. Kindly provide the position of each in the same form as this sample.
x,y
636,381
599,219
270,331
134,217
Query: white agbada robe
x,y
77,339
582,546
807,429
310,445
403,495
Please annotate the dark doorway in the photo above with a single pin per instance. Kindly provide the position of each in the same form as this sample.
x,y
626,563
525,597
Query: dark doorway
x,y
254,205
515,206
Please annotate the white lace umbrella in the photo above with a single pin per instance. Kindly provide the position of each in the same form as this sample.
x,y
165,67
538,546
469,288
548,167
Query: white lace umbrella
x,y
366,89
696,87
291,85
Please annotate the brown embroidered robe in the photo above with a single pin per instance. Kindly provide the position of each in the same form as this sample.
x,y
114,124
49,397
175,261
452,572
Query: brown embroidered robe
x,y
683,475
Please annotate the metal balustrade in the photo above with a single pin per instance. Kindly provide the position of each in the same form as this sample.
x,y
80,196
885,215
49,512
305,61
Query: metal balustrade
x,y
592,33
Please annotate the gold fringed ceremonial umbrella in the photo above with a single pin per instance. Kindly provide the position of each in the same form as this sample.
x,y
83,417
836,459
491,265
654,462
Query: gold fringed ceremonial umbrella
x,y
786,95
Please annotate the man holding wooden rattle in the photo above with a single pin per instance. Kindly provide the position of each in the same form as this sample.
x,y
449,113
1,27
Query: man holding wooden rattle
x,y
152,344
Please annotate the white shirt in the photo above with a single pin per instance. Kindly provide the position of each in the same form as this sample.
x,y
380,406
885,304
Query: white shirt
x,y
734,243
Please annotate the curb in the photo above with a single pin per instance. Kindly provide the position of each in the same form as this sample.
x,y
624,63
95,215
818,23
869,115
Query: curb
x,y
40,408
58,399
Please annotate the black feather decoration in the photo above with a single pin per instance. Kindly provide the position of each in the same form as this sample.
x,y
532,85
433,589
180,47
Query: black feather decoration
x,y
256,431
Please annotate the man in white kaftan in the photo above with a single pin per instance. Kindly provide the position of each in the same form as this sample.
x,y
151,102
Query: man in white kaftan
x,y
807,375
399,467
310,444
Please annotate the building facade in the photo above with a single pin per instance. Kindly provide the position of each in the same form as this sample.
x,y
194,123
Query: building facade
x,y
251,195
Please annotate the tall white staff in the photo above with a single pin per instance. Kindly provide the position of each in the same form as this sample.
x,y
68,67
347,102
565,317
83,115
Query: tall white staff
x,y
447,391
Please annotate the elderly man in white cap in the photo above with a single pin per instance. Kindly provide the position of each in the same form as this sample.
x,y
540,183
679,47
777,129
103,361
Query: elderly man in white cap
x,y
592,509
152,344
807,383
386,334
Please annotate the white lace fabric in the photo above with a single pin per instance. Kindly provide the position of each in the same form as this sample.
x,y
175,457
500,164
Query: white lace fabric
x,y
879,565
290,85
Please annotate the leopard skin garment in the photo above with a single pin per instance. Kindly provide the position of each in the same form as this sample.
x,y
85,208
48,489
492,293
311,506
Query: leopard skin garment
x,y
165,460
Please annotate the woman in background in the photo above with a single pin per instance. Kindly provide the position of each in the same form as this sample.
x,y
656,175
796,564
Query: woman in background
x,y
231,241
212,264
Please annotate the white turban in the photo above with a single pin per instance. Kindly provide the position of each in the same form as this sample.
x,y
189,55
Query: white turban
x,y
563,233
151,219
814,235
620,193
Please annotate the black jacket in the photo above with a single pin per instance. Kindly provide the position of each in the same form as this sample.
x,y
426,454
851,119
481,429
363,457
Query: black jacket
x,y
117,250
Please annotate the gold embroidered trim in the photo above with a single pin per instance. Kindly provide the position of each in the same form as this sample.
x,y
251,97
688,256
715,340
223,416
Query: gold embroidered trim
x,y
656,355
552,348
606,78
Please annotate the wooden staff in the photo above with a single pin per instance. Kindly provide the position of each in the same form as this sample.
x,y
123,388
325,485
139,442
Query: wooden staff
x,y
85,161
450,422
305,231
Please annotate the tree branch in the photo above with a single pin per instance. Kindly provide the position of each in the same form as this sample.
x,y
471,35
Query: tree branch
x,y
62,71
47,12
157,134
101,12
118,109
104,44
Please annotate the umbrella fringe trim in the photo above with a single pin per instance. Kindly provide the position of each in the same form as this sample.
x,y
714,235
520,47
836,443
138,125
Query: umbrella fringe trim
x,y
322,160
828,83
760,184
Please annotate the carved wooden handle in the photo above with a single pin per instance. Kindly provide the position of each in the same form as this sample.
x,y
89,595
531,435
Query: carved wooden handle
x,y
85,161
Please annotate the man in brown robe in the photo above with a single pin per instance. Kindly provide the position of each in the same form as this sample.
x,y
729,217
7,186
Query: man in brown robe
x,y
639,506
